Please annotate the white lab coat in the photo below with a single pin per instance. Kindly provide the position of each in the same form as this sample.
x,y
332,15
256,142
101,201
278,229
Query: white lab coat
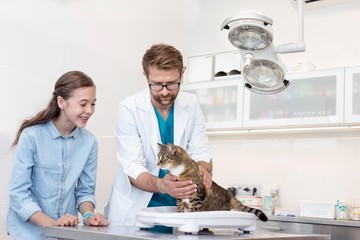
x,y
137,134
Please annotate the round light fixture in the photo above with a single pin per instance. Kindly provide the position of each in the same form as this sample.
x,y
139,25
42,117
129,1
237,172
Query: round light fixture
x,y
250,30
263,73
264,77
249,37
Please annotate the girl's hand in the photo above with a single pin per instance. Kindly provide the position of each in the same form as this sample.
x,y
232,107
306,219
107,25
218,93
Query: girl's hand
x,y
67,220
96,220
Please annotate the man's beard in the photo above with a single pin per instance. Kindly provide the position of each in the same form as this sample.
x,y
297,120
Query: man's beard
x,y
170,98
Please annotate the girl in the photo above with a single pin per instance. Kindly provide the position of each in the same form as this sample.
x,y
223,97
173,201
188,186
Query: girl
x,y
54,172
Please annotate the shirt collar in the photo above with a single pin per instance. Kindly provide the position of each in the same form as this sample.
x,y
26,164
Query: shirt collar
x,y
56,134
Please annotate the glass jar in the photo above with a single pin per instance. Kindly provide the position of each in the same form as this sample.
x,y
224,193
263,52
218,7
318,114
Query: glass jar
x,y
354,211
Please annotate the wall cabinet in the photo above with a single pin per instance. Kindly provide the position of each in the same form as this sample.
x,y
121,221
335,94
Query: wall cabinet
x,y
329,97
314,97
352,94
220,101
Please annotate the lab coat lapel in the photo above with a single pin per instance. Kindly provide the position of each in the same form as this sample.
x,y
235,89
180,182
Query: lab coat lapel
x,y
149,120
181,117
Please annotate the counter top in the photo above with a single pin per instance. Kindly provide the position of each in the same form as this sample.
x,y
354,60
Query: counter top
x,y
113,232
321,221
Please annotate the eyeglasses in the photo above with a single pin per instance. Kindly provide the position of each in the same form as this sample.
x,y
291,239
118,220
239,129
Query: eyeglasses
x,y
169,86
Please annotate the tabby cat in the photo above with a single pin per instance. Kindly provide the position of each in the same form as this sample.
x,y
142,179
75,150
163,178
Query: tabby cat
x,y
176,160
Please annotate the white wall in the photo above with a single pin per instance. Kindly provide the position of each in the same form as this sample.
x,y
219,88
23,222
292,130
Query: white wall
x,y
308,166
330,29
41,39
305,166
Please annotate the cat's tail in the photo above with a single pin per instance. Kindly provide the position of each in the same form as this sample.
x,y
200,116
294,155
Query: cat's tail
x,y
243,208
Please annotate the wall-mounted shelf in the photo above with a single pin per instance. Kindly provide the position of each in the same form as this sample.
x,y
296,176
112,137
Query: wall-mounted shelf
x,y
314,100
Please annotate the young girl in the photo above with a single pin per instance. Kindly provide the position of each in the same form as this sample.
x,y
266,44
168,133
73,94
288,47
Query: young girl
x,y
54,172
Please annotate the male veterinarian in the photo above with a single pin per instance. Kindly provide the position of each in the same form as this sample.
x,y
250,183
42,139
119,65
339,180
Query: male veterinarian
x,y
159,114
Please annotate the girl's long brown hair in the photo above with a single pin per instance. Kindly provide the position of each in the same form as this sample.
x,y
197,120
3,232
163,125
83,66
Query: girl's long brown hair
x,y
64,87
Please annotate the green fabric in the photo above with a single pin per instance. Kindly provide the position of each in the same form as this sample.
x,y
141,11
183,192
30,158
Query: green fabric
x,y
167,136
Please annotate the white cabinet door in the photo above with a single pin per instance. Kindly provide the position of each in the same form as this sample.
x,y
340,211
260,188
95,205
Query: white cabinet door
x,y
312,98
352,94
220,101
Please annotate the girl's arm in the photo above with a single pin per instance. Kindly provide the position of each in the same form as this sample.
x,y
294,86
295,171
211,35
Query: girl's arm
x,y
89,217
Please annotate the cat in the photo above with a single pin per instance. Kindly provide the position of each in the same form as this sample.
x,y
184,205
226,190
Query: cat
x,y
176,160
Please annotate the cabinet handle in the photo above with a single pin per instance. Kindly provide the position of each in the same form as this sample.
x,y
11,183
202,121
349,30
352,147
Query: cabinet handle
x,y
273,228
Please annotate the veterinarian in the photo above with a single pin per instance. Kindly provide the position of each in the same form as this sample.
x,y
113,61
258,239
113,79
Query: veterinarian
x,y
54,173
159,114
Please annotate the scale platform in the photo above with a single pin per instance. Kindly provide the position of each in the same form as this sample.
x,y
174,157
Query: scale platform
x,y
190,222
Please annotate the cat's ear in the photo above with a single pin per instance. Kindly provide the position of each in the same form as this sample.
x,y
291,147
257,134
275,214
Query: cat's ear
x,y
170,148
161,145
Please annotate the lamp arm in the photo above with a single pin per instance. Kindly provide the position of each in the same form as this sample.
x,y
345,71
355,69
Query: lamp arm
x,y
301,20
290,47
300,45
247,60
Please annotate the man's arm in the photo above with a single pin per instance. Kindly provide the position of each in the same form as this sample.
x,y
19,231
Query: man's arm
x,y
147,182
169,184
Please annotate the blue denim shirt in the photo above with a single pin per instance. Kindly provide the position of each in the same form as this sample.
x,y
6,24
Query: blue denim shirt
x,y
51,173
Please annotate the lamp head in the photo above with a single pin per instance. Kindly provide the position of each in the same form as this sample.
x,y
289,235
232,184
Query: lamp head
x,y
265,77
251,32
263,71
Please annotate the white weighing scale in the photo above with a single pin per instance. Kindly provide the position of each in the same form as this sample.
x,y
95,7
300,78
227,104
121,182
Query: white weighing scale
x,y
190,222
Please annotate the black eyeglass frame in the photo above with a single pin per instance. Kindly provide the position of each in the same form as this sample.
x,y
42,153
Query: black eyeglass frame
x,y
173,86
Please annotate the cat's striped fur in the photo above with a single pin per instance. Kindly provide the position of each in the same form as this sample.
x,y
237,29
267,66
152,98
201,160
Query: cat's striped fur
x,y
176,160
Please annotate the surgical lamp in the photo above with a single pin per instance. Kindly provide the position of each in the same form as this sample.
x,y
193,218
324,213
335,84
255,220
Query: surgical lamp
x,y
251,32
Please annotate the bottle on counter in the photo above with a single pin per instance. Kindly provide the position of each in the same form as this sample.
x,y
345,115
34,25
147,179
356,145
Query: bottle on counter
x,y
275,197
341,210
267,205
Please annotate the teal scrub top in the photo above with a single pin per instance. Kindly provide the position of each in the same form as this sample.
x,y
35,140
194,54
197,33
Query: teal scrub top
x,y
167,136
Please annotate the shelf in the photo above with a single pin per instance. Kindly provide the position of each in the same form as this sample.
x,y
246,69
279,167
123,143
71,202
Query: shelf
x,y
315,99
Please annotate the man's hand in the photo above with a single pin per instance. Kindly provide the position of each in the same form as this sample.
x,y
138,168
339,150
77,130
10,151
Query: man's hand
x,y
206,176
178,189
